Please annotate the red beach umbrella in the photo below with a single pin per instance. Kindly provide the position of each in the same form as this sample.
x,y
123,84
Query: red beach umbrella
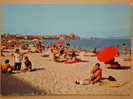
x,y
107,54
59,42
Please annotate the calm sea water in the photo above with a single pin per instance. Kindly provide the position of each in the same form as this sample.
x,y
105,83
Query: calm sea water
x,y
98,44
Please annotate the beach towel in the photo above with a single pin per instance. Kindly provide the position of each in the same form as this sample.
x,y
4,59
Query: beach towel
x,y
112,83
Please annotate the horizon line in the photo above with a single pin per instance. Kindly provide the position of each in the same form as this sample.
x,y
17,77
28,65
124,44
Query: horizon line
x,y
121,37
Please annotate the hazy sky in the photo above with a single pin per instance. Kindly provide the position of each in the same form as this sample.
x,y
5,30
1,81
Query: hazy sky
x,y
85,20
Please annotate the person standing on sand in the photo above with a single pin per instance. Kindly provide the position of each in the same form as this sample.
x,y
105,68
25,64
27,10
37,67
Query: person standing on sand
x,y
51,55
124,49
1,51
17,60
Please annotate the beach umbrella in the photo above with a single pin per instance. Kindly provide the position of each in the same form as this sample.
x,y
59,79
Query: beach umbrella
x,y
107,54
59,42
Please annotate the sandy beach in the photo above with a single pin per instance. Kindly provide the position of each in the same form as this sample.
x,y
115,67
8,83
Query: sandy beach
x,y
82,42
52,78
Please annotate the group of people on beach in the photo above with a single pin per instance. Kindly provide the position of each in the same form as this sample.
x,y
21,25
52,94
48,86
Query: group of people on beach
x,y
65,54
18,57
35,47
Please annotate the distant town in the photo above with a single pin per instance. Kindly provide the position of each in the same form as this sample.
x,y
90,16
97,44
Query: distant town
x,y
69,36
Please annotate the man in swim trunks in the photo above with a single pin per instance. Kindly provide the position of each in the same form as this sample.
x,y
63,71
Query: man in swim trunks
x,y
96,76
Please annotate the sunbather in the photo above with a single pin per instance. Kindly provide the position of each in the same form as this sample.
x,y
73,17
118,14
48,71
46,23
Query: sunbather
x,y
96,76
6,67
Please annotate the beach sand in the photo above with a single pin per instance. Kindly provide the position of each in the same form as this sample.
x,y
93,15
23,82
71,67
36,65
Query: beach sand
x,y
51,78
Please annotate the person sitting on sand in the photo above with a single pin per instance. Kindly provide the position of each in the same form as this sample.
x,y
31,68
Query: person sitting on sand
x,y
28,65
52,55
60,56
57,57
94,50
69,57
4,68
96,76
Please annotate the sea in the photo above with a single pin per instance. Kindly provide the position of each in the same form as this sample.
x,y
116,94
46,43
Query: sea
x,y
98,44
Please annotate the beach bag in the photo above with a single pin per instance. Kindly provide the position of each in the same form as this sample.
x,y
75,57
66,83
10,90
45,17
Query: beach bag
x,y
111,78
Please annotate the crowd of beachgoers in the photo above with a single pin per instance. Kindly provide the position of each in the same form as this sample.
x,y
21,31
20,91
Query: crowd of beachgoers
x,y
57,53
65,62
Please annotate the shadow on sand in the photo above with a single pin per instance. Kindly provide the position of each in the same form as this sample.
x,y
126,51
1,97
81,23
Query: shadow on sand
x,y
10,85
84,61
122,68
36,69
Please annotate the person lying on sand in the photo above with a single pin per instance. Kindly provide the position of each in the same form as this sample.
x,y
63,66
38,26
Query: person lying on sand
x,y
114,64
92,52
6,67
28,65
96,76
33,50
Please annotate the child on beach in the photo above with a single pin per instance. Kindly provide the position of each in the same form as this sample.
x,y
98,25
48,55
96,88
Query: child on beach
x,y
96,76
28,64
6,67
17,59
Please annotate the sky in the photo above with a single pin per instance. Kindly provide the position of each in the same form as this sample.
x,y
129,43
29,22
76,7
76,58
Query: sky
x,y
104,21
